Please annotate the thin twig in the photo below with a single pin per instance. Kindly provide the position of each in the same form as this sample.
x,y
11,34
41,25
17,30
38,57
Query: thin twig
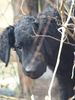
x,y
57,63
51,37
21,8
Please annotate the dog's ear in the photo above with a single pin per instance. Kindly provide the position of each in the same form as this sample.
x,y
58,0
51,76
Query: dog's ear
x,y
7,41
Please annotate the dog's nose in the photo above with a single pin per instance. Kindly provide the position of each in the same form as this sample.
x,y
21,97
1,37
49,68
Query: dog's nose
x,y
34,72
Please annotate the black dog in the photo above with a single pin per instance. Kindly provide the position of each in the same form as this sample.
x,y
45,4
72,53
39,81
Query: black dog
x,y
36,52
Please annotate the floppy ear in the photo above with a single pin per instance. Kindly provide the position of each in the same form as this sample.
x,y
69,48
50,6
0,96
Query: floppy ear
x,y
7,40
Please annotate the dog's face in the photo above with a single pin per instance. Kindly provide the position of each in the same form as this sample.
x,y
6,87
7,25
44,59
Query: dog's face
x,y
33,61
22,38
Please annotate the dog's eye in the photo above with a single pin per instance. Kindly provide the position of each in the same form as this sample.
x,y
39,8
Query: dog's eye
x,y
19,45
